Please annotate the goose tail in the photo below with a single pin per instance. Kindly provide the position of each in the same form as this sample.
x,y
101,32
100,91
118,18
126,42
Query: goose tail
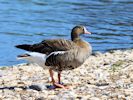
x,y
24,47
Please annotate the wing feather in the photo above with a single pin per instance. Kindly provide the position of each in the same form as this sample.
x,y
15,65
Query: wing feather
x,y
49,46
67,60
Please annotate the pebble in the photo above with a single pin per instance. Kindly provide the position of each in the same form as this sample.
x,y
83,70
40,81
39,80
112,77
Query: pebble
x,y
104,76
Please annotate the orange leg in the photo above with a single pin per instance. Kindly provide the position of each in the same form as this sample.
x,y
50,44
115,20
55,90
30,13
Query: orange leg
x,y
53,81
51,75
59,77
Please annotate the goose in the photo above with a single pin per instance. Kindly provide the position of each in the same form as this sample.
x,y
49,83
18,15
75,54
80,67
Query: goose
x,y
59,54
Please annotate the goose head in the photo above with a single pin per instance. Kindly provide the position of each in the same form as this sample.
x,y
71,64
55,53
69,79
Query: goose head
x,y
77,31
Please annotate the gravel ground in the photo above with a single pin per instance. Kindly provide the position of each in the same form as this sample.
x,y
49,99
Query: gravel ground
x,y
107,76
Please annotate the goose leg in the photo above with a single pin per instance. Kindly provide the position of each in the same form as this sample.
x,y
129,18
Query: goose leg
x,y
51,75
53,81
59,77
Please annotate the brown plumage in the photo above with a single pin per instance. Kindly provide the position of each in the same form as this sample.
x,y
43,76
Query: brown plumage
x,y
63,54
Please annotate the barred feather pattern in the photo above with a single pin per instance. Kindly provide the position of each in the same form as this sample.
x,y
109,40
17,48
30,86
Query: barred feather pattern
x,y
61,54
68,60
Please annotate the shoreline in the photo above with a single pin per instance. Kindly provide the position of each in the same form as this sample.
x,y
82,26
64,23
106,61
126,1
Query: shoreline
x,y
103,76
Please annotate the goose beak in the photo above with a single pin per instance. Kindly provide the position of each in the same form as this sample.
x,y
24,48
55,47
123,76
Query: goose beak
x,y
23,55
86,32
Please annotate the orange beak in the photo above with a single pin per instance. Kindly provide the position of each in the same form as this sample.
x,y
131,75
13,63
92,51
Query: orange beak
x,y
86,32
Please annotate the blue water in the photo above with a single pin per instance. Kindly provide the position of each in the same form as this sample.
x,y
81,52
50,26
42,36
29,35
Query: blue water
x,y
31,21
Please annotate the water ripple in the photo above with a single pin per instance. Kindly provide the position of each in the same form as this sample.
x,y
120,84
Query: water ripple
x,y
30,21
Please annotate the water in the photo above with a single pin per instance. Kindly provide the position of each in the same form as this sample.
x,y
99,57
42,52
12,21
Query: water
x,y
31,21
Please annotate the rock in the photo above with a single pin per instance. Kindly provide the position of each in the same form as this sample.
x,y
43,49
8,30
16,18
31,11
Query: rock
x,y
41,98
38,87
67,95
94,98
18,89
106,76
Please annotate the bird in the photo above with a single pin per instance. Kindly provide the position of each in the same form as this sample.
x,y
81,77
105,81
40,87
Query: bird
x,y
59,54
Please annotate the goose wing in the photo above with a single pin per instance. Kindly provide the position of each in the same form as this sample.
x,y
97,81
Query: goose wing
x,y
49,46
67,60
